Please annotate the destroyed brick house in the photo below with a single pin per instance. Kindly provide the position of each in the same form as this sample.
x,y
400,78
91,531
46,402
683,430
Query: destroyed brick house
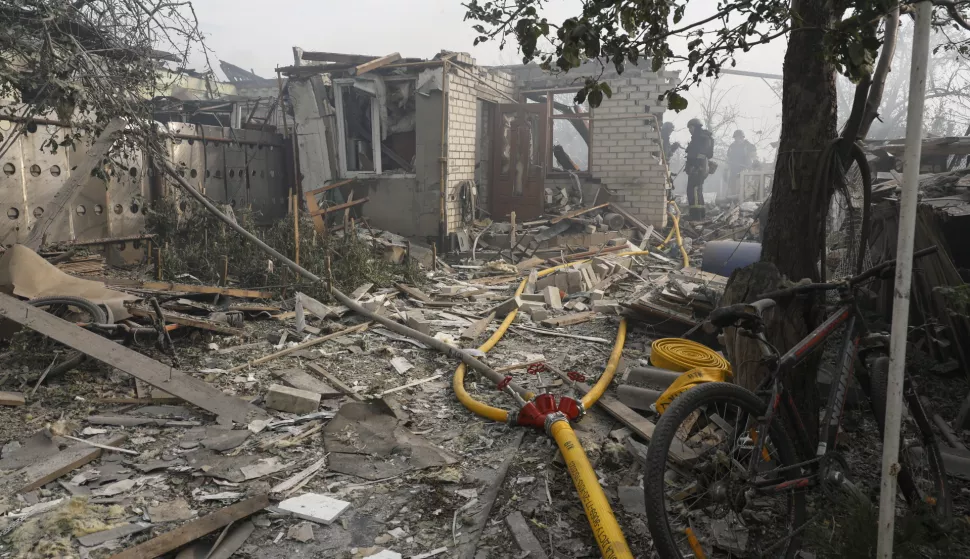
x,y
455,137
457,141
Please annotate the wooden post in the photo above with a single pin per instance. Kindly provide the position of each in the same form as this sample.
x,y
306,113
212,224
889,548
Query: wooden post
x,y
296,229
148,251
225,271
158,263
329,276
434,256
512,236
407,255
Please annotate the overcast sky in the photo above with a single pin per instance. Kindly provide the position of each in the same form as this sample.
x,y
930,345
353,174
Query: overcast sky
x,y
260,35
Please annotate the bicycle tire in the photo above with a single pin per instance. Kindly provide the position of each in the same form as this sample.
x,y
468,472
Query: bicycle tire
x,y
97,313
879,387
654,480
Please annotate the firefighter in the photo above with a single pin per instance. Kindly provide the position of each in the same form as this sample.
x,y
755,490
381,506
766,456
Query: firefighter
x,y
700,151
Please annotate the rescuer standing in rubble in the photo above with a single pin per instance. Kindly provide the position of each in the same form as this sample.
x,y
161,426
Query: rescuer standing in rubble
x,y
741,156
669,149
700,151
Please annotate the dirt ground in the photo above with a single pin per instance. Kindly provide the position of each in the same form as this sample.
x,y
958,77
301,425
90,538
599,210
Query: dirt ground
x,y
413,513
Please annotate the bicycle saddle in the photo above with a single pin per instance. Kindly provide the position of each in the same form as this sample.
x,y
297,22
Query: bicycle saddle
x,y
723,317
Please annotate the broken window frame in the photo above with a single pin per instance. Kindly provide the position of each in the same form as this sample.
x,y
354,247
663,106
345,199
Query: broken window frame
x,y
551,123
375,111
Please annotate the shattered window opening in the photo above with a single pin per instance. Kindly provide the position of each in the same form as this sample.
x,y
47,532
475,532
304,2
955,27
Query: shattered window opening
x,y
570,128
375,107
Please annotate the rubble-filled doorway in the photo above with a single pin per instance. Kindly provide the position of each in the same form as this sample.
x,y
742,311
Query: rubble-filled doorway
x,y
518,159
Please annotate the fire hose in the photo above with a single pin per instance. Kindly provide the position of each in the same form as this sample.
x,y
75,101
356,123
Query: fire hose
x,y
536,410
545,413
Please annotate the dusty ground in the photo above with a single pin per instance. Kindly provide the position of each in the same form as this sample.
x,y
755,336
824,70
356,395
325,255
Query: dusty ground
x,y
427,505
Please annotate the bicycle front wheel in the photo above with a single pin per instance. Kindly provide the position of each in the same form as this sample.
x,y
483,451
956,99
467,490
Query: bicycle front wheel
x,y
701,500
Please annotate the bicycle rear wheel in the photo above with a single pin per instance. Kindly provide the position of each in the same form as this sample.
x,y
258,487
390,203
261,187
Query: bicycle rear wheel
x,y
922,477
699,500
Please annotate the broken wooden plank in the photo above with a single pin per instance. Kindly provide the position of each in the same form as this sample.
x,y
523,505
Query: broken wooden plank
x,y
338,207
315,56
524,537
636,422
298,379
45,471
409,385
477,328
569,319
328,187
299,478
298,347
564,335
12,399
336,382
98,538
316,307
233,541
375,64
157,374
577,213
186,320
414,293
194,530
469,544
644,228
185,288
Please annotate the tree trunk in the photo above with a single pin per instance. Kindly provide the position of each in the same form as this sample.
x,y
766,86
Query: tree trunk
x,y
790,240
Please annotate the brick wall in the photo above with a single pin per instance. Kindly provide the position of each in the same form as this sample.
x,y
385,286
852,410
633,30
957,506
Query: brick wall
x,y
466,85
626,144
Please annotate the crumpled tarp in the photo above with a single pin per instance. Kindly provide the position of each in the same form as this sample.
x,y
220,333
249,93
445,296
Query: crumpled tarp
x,y
25,273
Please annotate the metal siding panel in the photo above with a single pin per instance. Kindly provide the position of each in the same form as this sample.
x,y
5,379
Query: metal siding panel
x,y
215,165
13,206
44,175
235,156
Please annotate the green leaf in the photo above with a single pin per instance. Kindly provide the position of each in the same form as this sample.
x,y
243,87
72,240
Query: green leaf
x,y
607,89
595,97
676,102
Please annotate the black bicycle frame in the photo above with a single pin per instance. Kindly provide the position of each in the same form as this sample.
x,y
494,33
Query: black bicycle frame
x,y
781,399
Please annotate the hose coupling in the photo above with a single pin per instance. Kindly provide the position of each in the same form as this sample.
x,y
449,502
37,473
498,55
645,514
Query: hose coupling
x,y
553,418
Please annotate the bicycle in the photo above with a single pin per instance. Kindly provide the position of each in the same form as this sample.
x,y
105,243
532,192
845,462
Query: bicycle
x,y
723,475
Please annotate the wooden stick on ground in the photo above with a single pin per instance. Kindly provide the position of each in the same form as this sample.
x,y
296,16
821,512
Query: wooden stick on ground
x,y
304,345
194,530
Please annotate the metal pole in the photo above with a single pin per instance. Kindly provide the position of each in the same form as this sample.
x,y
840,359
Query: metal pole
x,y
904,276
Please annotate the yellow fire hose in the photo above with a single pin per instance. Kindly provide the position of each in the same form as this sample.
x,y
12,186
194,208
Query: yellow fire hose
x,y
603,522
674,212
678,354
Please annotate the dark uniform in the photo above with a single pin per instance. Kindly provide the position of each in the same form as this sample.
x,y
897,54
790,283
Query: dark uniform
x,y
669,149
700,151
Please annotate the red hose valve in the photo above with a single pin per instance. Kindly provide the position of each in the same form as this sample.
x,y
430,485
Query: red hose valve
x,y
576,377
545,403
536,368
570,408
504,383
530,416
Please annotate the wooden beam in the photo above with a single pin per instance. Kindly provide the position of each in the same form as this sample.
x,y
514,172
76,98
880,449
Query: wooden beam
x,y
414,293
185,288
298,347
329,187
569,319
64,462
314,56
12,399
576,213
375,64
477,328
338,207
186,320
336,382
194,530
157,374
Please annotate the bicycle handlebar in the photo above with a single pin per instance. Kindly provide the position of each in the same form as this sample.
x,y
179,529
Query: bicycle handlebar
x,y
855,280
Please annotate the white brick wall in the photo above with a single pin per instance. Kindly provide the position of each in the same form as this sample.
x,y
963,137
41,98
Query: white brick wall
x,y
626,151
465,86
